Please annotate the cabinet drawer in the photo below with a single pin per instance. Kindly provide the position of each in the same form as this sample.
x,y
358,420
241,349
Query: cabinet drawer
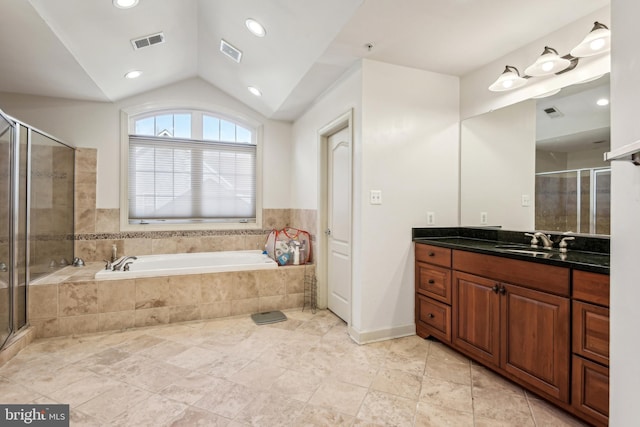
x,y
591,389
434,282
591,287
433,255
434,317
591,331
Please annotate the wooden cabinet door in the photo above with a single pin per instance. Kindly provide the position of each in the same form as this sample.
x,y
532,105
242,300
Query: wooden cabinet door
x,y
536,340
476,316
591,389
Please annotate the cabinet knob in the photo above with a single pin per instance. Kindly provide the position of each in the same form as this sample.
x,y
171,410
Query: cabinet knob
x,y
432,254
502,290
495,288
431,281
430,316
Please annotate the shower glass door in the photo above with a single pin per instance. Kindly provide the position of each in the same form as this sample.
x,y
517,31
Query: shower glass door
x,y
6,137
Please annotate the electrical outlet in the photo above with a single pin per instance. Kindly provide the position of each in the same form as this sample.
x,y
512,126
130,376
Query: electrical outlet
x,y
375,197
431,218
526,200
483,218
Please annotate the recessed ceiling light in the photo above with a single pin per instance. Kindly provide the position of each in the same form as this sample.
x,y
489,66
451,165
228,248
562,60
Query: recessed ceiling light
x,y
602,102
254,90
133,74
255,27
125,4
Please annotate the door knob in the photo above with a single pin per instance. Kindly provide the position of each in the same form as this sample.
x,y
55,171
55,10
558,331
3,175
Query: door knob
x,y
327,232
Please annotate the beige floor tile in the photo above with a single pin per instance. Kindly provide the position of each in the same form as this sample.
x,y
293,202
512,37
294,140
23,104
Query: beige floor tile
x,y
544,414
435,416
446,394
399,383
154,411
485,380
230,372
118,399
296,385
339,396
511,407
189,389
313,416
81,391
229,400
387,409
194,417
448,370
270,410
257,375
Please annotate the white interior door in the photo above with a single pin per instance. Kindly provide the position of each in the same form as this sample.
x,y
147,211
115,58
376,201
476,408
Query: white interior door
x,y
339,224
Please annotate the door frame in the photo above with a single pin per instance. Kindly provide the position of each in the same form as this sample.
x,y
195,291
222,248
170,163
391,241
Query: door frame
x,y
343,121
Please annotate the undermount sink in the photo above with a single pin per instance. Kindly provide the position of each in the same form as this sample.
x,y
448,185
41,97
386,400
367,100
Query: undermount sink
x,y
520,250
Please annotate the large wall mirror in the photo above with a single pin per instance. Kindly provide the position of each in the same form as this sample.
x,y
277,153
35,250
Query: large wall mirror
x,y
539,164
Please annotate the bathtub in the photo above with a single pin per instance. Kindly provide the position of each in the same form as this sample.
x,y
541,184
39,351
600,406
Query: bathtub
x,y
191,263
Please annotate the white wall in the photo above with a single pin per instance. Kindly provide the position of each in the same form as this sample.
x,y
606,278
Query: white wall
x,y
97,125
625,217
406,145
343,96
409,151
497,167
477,99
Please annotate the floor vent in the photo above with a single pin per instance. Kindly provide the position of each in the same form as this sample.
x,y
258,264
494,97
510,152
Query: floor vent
x,y
231,51
268,317
147,41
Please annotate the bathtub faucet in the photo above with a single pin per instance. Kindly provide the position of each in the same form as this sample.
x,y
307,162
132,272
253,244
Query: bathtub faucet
x,y
117,266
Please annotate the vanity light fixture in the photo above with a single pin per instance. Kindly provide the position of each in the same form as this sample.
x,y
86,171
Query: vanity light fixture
x,y
596,42
509,79
133,74
256,28
255,91
550,62
125,4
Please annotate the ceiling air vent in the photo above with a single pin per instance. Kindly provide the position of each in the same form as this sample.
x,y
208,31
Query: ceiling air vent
x,y
230,51
147,41
553,112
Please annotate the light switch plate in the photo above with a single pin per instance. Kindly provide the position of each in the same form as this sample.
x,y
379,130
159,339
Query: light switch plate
x,y
431,218
483,218
375,197
526,200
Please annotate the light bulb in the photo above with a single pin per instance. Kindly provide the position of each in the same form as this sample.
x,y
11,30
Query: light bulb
x,y
597,44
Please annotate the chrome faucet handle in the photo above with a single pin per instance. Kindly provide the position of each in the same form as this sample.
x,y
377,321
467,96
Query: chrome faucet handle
x,y
534,240
108,265
563,243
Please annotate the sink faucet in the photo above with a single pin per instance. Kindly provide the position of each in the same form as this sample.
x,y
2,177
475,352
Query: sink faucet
x,y
117,266
547,243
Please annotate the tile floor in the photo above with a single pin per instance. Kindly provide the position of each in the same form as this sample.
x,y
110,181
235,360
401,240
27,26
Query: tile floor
x,y
302,372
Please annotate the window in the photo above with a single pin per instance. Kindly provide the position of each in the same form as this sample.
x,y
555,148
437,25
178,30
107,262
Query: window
x,y
191,167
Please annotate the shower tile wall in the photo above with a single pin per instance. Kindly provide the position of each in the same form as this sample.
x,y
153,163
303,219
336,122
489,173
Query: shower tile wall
x,y
98,229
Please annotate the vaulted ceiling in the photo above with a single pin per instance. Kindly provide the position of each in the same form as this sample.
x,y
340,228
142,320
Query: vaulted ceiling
x,y
81,49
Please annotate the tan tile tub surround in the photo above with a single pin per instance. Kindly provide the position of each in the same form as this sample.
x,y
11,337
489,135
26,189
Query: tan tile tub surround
x,y
71,302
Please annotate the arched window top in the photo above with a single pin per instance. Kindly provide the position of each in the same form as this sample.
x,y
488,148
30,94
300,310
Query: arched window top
x,y
195,125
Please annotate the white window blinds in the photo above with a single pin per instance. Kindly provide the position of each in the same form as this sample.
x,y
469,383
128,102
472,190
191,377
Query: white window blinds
x,y
181,180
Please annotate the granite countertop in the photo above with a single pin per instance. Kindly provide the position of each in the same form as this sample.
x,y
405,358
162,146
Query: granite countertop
x,y
507,244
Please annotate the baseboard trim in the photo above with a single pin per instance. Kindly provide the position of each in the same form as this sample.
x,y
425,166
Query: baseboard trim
x,y
366,337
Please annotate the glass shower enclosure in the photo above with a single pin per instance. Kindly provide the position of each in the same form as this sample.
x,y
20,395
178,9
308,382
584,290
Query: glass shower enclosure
x,y
36,215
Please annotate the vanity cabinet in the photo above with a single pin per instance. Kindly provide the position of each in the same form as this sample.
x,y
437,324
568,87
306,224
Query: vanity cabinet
x,y
590,393
513,325
433,292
